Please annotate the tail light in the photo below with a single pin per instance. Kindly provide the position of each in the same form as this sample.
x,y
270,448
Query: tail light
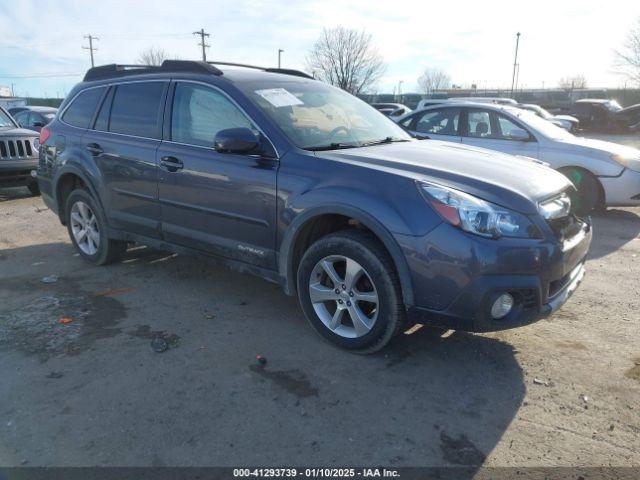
x,y
44,135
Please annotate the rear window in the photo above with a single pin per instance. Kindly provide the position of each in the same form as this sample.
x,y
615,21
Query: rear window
x,y
137,108
81,110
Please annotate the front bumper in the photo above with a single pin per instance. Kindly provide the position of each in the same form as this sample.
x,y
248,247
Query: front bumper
x,y
456,282
623,190
17,172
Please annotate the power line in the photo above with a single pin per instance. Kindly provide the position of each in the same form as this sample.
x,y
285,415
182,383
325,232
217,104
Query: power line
x,y
91,48
203,43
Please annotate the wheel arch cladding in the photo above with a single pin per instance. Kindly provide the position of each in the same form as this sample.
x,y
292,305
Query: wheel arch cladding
x,y
68,180
342,215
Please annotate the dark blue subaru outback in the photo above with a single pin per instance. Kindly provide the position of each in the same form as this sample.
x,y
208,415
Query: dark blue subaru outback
x,y
285,177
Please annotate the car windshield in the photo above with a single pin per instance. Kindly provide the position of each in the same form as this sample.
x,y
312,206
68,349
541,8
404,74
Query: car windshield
x,y
5,121
542,126
315,116
49,116
613,106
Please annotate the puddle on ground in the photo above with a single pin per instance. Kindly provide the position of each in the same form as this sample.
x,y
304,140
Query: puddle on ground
x,y
293,381
35,328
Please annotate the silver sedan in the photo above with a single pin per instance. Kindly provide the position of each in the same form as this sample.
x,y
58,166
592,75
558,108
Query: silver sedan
x,y
604,173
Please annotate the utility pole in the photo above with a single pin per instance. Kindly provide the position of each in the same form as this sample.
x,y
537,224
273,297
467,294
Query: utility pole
x,y
203,43
91,48
515,62
279,54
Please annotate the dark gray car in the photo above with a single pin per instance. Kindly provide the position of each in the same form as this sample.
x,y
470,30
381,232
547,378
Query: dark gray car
x,y
285,177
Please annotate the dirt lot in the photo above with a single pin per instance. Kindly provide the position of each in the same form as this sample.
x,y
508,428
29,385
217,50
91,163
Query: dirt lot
x,y
563,391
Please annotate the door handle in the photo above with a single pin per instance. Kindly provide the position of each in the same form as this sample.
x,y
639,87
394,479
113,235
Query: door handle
x,y
94,148
172,164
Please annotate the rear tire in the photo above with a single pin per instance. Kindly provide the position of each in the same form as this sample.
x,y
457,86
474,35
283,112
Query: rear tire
x,y
87,228
589,192
357,301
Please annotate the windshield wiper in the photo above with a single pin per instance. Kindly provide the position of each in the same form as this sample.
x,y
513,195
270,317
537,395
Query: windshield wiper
x,y
383,141
331,146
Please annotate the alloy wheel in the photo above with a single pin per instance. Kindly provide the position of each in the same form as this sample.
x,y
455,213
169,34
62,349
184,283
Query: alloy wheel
x,y
344,296
84,226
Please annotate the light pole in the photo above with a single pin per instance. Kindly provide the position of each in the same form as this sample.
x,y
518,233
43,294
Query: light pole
x,y
279,55
515,62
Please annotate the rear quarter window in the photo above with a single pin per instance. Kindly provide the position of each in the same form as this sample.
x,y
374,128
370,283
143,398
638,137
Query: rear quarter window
x,y
83,107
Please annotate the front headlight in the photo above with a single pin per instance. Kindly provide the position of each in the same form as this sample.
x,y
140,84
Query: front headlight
x,y
632,163
475,215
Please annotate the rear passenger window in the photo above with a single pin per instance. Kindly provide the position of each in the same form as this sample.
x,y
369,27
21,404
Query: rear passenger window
x,y
479,124
200,112
137,109
82,109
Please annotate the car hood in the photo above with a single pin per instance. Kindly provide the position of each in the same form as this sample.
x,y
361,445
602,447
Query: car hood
x,y
17,132
506,180
591,146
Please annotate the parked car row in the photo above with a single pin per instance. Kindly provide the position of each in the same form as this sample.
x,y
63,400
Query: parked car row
x,y
33,118
606,115
296,181
604,173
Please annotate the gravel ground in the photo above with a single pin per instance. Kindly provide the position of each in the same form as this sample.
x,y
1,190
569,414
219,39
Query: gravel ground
x,y
561,392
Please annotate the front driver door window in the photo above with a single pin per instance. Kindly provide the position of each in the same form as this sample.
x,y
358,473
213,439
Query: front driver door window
x,y
221,203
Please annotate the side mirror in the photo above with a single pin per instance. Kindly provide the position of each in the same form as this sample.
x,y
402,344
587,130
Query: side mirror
x,y
235,140
518,134
38,124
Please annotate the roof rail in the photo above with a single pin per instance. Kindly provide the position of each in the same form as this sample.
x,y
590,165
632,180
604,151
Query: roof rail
x,y
285,71
186,66
114,70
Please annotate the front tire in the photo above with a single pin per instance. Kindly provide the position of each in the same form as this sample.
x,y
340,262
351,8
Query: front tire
x,y
350,292
88,230
589,192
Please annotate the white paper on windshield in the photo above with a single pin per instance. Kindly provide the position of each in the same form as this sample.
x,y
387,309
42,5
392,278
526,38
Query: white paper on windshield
x,y
279,97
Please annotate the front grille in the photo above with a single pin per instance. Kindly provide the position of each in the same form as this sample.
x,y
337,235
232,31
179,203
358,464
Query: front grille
x,y
16,149
565,228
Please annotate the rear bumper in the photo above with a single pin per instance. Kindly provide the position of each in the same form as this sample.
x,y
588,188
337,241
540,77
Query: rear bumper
x,y
17,172
623,190
456,285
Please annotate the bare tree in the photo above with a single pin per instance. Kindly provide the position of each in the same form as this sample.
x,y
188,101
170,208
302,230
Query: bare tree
x,y
152,56
628,59
347,59
572,83
433,79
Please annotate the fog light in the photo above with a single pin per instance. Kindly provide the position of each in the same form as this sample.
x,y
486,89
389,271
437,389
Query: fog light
x,y
502,306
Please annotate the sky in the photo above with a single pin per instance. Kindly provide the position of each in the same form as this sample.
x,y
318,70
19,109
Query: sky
x,y
41,41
